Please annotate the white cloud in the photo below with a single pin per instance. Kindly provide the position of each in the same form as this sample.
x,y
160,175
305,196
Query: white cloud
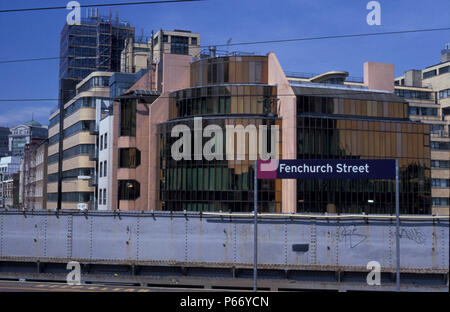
x,y
16,113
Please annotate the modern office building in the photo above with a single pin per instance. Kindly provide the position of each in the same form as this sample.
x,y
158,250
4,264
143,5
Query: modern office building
x,y
21,135
94,45
83,181
4,141
318,119
428,94
73,175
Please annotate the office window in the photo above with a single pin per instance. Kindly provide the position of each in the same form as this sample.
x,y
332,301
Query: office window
x,y
104,169
100,197
128,117
101,142
104,196
440,201
101,169
129,158
429,74
441,164
444,183
106,144
129,189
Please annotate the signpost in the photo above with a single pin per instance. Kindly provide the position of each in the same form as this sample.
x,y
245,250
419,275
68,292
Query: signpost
x,y
327,169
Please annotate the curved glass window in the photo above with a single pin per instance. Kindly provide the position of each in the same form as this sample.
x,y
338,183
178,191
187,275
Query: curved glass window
x,y
224,100
214,185
229,69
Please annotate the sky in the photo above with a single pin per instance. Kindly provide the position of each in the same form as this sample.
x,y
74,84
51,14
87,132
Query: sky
x,y
35,34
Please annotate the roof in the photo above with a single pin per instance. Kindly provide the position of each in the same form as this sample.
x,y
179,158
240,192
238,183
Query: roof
x,y
139,94
33,123
360,94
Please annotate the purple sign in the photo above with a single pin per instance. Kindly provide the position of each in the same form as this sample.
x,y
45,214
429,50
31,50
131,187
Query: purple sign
x,y
326,169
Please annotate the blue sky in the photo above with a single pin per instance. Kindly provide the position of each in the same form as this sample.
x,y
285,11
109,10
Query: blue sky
x,y
36,34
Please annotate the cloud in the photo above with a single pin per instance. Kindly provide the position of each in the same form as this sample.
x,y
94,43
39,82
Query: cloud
x,y
12,114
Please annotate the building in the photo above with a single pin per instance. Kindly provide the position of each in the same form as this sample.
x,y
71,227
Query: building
x,y
105,162
9,166
73,175
85,148
182,42
4,141
40,199
135,56
94,45
33,175
10,191
21,135
428,94
318,118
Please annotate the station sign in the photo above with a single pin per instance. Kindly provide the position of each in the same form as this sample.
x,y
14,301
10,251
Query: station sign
x,y
326,169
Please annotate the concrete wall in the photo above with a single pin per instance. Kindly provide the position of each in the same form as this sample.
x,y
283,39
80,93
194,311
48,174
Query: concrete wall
x,y
379,76
287,109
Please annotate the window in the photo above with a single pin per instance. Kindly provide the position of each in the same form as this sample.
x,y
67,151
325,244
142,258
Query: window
x,y
440,201
106,144
100,197
444,70
436,145
129,158
444,94
101,142
193,40
179,45
429,74
128,117
442,164
165,38
129,189
423,111
101,169
104,169
104,196
440,183
82,149
410,94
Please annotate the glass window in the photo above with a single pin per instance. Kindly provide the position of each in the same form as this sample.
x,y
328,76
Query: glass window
x,y
129,158
129,189
128,117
